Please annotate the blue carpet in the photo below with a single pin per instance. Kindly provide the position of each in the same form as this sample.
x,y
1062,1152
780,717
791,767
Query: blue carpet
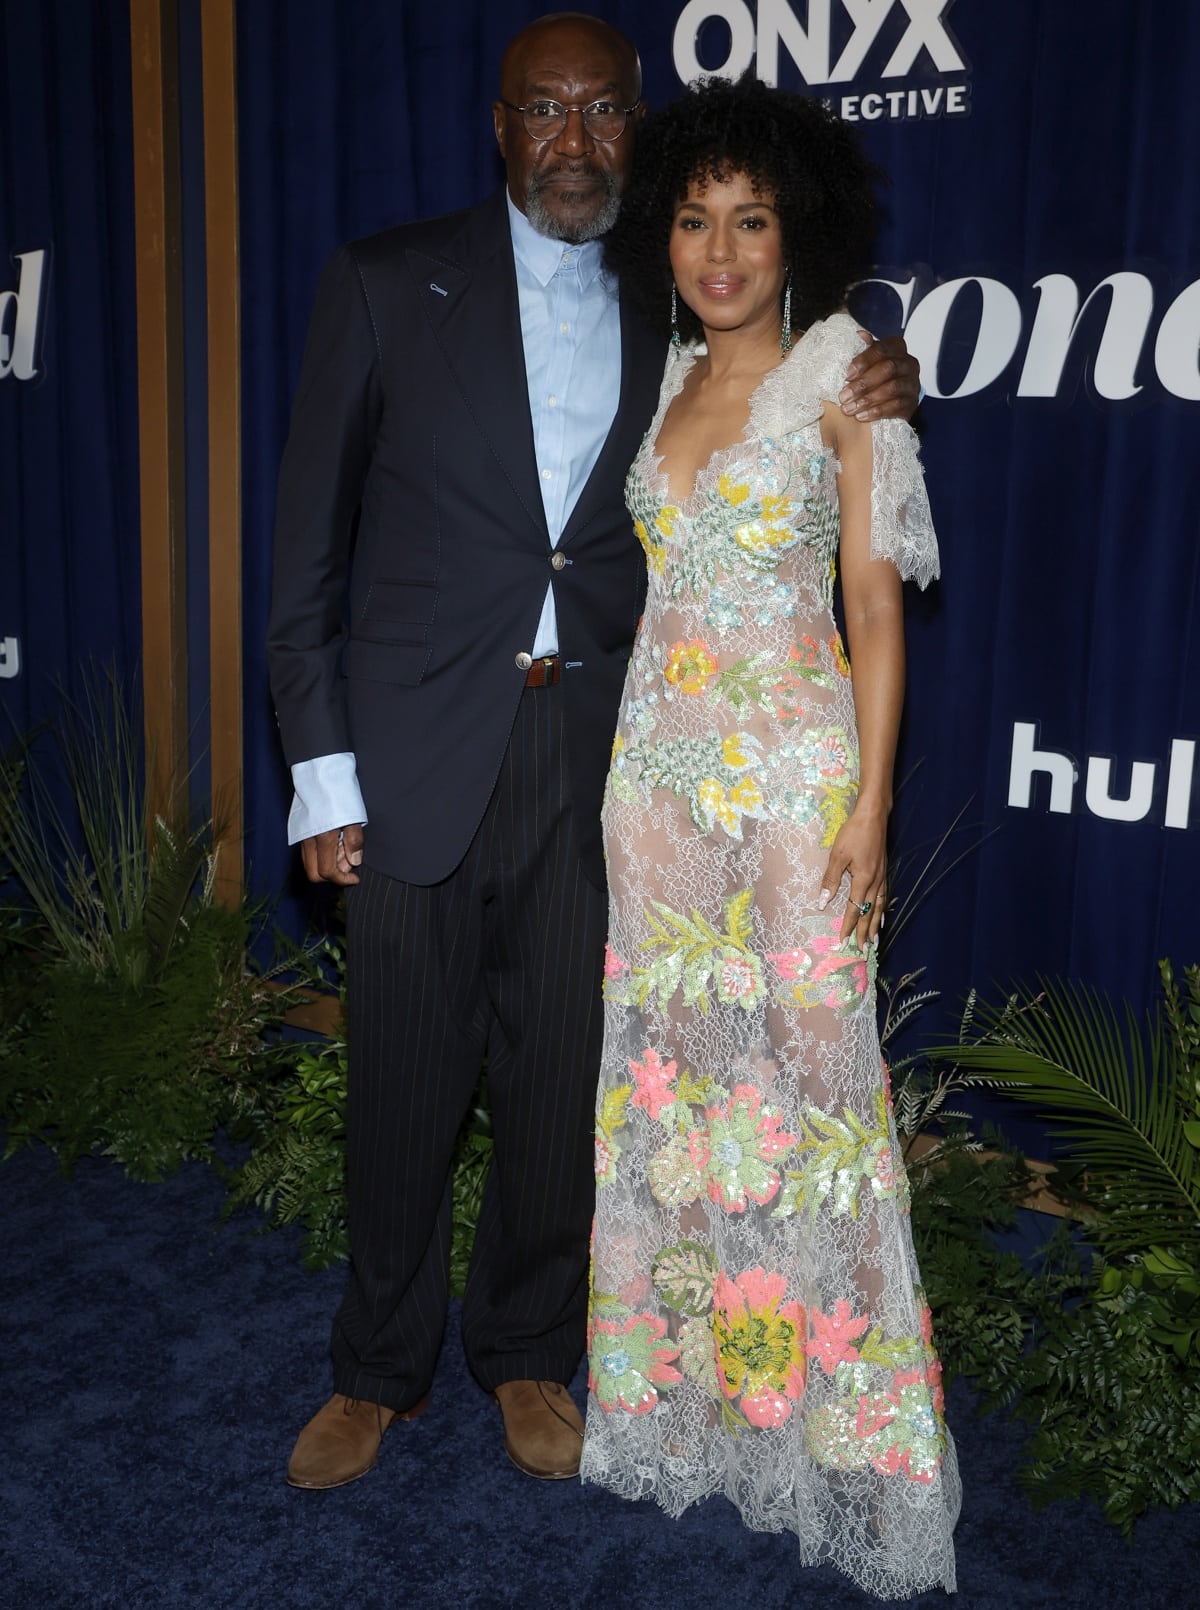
x,y
158,1366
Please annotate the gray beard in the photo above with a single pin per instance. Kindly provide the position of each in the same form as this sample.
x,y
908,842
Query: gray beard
x,y
559,229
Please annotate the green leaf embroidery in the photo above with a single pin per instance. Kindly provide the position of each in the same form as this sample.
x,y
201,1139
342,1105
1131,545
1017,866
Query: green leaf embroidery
x,y
690,952
683,1276
613,1110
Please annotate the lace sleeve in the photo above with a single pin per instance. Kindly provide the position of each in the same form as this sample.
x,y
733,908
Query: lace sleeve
x,y
901,525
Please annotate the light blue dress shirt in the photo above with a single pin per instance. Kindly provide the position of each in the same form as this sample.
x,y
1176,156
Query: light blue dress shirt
x,y
571,332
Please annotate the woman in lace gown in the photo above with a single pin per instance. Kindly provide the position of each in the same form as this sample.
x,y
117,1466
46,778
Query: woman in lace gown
x,y
757,1324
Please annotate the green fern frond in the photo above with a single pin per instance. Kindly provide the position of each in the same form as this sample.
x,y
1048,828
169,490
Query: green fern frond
x,y
177,864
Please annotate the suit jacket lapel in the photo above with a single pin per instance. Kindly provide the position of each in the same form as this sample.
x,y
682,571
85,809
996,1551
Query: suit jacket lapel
x,y
470,296
642,360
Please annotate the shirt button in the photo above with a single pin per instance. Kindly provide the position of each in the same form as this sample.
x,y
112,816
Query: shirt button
x,y
558,560
524,661
565,329
553,402
546,475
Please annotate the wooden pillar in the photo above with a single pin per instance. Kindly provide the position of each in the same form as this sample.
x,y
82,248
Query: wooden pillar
x,y
155,84
219,54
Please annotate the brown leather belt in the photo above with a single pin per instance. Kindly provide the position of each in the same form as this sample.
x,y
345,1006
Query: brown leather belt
x,y
544,673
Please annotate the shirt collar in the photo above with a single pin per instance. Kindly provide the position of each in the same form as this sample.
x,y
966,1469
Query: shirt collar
x,y
542,256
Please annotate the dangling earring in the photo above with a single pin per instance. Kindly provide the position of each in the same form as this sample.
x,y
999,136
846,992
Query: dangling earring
x,y
675,341
785,337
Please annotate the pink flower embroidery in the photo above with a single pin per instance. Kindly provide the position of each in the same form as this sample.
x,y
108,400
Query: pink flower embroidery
x,y
766,1409
613,965
885,1172
739,978
833,1335
629,1359
743,1140
759,1347
829,756
607,1153
875,1410
654,1079
888,1462
789,964
846,967
927,1326
933,1380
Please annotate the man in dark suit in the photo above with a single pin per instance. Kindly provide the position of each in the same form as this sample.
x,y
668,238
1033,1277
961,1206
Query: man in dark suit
x,y
456,590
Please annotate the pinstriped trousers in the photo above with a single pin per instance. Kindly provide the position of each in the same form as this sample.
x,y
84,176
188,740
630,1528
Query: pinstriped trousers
x,y
502,958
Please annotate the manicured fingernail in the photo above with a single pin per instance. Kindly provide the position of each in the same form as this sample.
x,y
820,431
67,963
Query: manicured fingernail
x,y
846,395
824,900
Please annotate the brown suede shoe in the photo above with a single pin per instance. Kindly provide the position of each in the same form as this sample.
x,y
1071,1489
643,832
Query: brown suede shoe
x,y
341,1441
543,1430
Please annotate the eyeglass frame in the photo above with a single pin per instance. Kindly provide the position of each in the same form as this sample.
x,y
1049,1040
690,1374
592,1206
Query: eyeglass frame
x,y
610,139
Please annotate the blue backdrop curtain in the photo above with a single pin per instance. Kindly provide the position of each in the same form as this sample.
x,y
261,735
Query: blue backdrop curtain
x,y
1064,140
69,556
1036,151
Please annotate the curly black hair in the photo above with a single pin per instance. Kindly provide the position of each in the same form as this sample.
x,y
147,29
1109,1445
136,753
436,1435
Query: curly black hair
x,y
791,148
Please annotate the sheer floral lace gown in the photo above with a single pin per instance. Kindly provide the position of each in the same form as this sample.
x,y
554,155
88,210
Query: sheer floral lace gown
x,y
757,1323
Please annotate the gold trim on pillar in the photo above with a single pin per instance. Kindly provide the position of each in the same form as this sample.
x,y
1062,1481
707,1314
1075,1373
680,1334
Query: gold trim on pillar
x,y
154,49
219,58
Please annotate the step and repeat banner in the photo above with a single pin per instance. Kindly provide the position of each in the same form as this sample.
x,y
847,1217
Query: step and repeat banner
x,y
1041,252
69,558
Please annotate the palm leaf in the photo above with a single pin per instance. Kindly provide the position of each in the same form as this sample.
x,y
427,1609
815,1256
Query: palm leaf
x,y
1112,1093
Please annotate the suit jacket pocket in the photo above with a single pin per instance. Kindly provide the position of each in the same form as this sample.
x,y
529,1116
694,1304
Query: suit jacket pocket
x,y
398,612
369,660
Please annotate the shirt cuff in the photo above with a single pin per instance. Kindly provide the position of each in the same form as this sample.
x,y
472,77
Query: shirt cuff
x,y
327,796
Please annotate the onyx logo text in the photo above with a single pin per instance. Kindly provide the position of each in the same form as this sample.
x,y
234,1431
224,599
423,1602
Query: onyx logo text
x,y
875,51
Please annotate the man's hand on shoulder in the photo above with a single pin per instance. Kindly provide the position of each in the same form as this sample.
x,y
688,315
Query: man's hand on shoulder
x,y
883,382
332,857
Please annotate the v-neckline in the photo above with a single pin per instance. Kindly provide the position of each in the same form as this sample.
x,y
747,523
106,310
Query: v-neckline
x,y
656,476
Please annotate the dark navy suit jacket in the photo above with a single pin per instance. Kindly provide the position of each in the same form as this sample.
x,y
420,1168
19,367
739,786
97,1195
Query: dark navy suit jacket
x,y
411,549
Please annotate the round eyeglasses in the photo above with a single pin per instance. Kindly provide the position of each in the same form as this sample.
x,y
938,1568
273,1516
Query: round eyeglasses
x,y
545,120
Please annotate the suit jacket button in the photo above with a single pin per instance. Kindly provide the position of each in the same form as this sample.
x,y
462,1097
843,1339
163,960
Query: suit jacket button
x,y
558,560
524,661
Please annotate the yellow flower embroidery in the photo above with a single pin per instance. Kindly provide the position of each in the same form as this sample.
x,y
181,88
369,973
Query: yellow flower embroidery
x,y
835,807
762,536
838,651
656,557
689,665
710,796
760,1344
732,752
746,795
732,491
